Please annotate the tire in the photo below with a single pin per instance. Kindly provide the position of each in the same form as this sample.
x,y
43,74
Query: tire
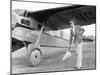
x,y
34,55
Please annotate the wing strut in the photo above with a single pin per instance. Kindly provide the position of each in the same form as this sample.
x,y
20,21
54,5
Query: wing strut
x,y
39,37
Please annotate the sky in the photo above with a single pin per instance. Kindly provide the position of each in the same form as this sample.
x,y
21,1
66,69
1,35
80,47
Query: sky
x,y
31,6
89,30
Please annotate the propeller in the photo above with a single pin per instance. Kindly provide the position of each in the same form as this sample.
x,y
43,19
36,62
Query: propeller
x,y
14,20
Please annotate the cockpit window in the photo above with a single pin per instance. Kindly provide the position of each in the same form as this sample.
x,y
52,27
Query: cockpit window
x,y
26,22
39,26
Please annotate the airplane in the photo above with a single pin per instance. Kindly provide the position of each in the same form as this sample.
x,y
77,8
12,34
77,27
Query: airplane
x,y
30,27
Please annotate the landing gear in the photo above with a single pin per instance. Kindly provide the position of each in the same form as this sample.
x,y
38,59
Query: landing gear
x,y
34,54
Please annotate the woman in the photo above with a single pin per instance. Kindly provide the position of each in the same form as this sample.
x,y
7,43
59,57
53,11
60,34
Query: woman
x,y
76,35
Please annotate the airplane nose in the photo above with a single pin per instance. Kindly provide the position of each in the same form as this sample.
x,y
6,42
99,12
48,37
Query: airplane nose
x,y
14,20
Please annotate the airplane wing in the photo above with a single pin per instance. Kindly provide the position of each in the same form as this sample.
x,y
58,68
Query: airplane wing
x,y
58,18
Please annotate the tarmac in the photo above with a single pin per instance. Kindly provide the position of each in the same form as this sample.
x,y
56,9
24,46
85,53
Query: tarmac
x,y
52,60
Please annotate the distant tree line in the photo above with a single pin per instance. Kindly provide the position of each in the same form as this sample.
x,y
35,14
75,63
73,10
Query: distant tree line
x,y
89,38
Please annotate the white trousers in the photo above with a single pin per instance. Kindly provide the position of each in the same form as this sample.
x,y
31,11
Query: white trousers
x,y
79,54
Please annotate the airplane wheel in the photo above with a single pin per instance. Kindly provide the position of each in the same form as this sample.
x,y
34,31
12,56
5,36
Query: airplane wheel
x,y
34,55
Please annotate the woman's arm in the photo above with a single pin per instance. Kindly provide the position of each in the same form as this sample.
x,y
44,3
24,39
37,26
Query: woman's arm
x,y
82,30
71,37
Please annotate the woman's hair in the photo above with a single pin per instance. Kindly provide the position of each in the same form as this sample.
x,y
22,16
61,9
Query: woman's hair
x,y
73,20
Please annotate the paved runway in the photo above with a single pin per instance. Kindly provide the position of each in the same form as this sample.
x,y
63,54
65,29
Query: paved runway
x,y
52,60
